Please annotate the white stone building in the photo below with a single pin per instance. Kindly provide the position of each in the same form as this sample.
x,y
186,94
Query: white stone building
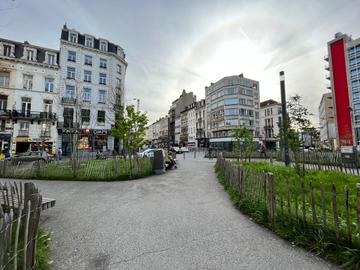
x,y
28,97
200,115
91,87
327,121
270,118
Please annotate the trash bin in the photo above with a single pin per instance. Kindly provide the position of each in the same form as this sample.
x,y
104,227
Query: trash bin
x,y
158,162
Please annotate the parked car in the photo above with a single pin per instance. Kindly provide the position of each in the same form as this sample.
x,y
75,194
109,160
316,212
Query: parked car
x,y
184,150
149,153
176,149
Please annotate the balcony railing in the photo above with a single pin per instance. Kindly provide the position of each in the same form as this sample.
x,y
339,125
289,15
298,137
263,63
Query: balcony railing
x,y
68,100
23,133
30,115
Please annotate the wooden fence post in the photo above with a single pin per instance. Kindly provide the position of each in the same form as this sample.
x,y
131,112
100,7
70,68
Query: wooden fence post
x,y
313,204
323,203
335,211
271,198
347,216
303,202
288,199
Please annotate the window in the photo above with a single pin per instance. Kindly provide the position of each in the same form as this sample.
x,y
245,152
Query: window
x,y
231,122
101,117
231,101
27,82
89,42
85,116
30,55
49,85
51,59
102,96
68,117
250,102
4,79
48,106
3,102
88,60
24,126
71,73
118,82
26,106
7,50
102,79
231,112
73,37
103,46
70,91
71,56
87,76
87,94
103,63
118,69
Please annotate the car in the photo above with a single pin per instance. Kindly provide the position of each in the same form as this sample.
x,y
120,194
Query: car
x,y
149,153
176,149
184,149
27,156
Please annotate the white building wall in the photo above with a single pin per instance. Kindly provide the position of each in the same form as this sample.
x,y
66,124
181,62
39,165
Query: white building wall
x,y
191,123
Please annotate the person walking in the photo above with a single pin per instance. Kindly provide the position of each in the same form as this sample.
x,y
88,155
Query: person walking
x,y
263,150
59,153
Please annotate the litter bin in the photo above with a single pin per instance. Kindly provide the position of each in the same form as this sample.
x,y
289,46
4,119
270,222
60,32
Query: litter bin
x,y
158,162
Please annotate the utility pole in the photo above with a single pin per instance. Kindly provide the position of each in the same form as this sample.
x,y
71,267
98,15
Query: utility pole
x,y
285,121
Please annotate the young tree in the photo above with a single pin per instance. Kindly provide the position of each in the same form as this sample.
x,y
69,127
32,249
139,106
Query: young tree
x,y
130,126
244,144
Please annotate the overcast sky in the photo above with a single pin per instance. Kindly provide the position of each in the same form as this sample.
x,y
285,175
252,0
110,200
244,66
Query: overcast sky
x,y
174,45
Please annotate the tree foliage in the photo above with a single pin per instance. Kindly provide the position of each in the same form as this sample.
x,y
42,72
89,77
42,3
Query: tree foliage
x,y
130,127
244,144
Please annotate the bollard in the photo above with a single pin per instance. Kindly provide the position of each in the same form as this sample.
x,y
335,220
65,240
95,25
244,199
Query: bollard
x,y
184,155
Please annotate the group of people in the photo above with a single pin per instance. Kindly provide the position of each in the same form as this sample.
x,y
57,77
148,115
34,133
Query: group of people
x,y
48,156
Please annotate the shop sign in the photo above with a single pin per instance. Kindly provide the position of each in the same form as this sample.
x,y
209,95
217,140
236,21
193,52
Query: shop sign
x,y
99,131
23,140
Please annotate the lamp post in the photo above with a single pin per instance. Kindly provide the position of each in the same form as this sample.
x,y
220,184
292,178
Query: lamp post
x,y
285,118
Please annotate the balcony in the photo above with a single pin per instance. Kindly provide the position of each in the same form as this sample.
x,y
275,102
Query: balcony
x,y
327,76
68,100
33,115
45,134
23,133
328,86
326,58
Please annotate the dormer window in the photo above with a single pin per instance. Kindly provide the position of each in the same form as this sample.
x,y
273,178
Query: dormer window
x,y
89,42
73,37
103,46
30,55
7,50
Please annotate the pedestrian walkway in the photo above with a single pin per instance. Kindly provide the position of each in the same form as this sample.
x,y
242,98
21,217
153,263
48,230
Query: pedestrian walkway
x,y
179,220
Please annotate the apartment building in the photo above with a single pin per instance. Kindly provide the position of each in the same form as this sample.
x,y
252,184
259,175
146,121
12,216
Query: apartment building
x,y
91,88
29,97
270,119
200,116
327,121
231,102
344,75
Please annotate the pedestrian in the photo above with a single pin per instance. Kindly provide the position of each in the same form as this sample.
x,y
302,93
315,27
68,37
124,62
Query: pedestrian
x,y
59,153
210,150
263,150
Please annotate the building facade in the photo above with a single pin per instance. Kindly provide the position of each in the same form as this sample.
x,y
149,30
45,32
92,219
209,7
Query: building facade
x,y
29,97
176,108
200,116
91,88
270,119
157,133
344,75
231,102
327,121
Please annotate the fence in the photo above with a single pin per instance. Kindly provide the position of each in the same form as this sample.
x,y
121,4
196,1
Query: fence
x,y
19,219
107,170
333,208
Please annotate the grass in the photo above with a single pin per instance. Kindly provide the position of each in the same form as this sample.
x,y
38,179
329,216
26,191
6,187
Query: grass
x,y
315,237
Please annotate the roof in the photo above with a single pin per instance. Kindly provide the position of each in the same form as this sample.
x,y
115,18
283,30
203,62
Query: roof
x,y
269,102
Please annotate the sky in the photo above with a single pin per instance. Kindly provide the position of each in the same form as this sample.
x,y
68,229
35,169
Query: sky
x,y
174,45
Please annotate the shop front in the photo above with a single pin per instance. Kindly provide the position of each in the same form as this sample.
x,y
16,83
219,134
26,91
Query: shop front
x,y
94,139
23,145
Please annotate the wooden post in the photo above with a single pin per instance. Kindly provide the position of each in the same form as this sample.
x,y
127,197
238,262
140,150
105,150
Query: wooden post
x,y
335,211
116,166
347,216
281,199
323,203
313,204
303,202
27,221
271,197
288,199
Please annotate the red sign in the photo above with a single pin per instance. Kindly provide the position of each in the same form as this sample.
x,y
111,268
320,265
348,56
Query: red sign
x,y
341,92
